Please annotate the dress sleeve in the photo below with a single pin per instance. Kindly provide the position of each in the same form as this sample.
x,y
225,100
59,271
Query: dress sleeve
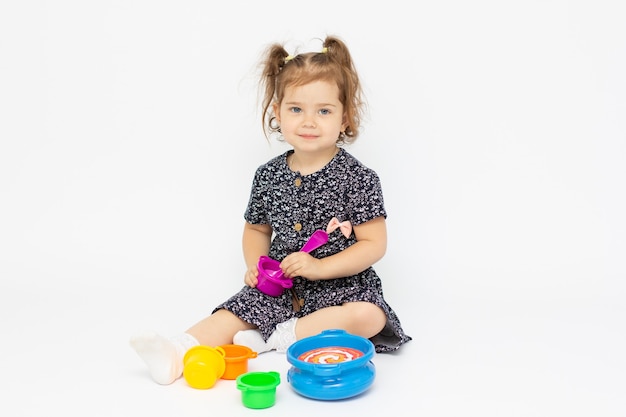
x,y
367,200
256,212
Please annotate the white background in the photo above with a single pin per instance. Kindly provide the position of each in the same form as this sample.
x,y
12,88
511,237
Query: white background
x,y
129,133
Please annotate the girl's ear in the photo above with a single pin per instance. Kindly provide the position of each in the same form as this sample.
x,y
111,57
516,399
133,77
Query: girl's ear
x,y
344,123
275,109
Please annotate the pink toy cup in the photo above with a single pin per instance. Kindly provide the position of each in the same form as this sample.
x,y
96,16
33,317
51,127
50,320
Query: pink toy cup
x,y
271,279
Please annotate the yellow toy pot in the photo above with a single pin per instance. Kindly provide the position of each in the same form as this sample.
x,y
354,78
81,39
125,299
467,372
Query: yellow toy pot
x,y
203,366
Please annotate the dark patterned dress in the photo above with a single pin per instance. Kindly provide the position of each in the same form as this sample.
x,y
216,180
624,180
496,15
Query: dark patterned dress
x,y
295,206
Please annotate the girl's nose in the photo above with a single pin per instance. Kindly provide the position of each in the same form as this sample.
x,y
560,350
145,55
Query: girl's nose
x,y
309,121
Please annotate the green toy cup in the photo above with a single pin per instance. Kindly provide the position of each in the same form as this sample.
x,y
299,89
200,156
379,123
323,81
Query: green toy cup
x,y
258,389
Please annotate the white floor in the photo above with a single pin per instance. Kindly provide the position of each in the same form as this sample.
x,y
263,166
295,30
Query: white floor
x,y
495,128
65,352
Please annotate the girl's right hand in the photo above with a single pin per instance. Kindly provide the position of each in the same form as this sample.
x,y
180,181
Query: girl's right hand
x,y
250,277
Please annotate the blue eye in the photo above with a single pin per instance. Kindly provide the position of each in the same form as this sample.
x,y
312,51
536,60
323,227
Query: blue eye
x,y
324,111
295,109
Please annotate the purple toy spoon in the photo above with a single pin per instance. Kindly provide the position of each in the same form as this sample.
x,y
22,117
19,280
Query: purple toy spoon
x,y
317,239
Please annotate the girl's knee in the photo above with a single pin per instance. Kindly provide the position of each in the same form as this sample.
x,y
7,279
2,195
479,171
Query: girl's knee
x,y
370,318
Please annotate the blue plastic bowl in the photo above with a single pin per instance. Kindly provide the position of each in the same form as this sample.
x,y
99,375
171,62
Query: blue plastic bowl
x,y
331,381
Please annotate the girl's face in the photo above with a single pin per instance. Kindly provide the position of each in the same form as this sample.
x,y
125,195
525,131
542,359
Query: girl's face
x,y
311,117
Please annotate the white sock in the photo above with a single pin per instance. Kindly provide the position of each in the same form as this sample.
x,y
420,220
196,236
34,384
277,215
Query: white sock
x,y
164,356
252,339
280,340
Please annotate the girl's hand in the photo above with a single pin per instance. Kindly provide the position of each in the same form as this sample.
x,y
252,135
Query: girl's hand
x,y
370,246
256,242
301,264
251,277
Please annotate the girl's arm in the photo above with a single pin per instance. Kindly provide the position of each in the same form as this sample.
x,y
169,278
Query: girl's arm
x,y
255,243
370,247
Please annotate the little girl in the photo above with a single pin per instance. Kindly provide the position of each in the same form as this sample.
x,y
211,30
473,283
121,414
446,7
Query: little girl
x,y
314,100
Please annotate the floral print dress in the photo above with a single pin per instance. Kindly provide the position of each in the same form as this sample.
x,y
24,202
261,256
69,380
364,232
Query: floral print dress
x,y
294,205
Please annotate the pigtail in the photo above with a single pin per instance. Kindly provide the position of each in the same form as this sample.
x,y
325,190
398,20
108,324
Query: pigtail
x,y
276,56
338,52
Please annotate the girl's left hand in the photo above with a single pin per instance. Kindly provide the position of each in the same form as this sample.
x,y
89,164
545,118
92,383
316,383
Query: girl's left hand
x,y
250,278
301,264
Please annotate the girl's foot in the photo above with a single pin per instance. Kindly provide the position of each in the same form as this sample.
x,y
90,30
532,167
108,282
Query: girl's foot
x,y
163,356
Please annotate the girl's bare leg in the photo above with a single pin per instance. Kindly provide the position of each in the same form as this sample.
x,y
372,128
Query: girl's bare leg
x,y
358,318
218,328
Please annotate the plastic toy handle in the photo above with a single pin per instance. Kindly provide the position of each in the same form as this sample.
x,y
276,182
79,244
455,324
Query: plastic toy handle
x,y
326,370
275,375
334,331
317,239
286,283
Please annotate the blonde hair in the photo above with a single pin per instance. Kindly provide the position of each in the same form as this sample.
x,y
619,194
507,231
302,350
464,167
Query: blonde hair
x,y
333,64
